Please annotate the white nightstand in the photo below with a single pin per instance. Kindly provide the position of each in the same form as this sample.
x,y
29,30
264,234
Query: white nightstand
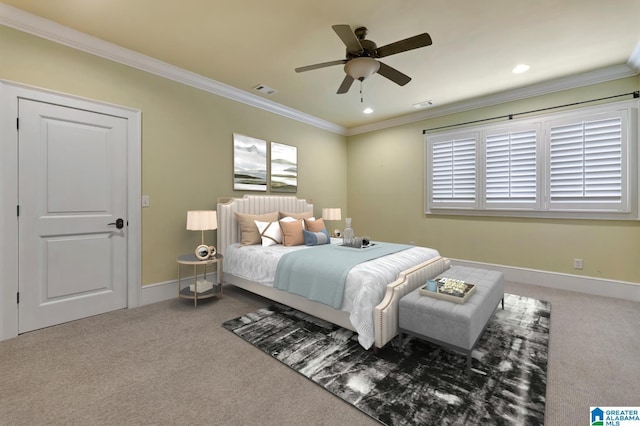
x,y
191,259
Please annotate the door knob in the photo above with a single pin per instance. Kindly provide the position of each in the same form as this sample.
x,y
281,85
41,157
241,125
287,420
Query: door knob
x,y
119,223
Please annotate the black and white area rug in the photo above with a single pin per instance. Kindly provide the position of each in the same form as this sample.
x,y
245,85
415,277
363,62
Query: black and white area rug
x,y
420,383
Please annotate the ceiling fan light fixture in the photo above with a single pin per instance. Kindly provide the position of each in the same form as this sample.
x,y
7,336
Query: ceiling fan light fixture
x,y
360,62
361,68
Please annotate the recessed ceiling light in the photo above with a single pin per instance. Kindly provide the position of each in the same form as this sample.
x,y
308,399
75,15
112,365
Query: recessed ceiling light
x,y
368,110
520,68
424,104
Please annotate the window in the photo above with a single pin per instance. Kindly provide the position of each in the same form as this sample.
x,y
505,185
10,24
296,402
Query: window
x,y
576,164
586,168
454,171
511,168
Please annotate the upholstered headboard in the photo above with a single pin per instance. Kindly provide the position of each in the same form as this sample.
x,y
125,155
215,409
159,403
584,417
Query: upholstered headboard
x,y
228,228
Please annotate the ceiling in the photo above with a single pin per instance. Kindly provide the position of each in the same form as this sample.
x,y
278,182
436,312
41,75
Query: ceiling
x,y
476,44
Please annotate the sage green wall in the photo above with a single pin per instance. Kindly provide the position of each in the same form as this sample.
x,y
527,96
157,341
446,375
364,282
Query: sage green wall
x,y
187,138
386,201
187,148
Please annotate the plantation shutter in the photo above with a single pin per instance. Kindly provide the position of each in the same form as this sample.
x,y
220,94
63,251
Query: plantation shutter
x,y
580,164
586,161
511,170
453,177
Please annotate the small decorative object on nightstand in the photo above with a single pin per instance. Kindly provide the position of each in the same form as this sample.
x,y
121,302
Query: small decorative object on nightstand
x,y
200,289
203,220
332,213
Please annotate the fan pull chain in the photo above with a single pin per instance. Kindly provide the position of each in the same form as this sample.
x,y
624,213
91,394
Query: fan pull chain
x,y
361,96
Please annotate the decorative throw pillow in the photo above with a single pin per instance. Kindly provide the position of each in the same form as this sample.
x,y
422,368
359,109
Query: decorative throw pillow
x,y
314,225
249,230
316,238
302,215
269,232
292,233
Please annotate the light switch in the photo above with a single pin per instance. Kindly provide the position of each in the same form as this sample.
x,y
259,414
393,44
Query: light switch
x,y
145,201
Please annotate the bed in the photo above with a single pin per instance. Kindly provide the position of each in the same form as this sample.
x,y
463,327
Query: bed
x,y
372,291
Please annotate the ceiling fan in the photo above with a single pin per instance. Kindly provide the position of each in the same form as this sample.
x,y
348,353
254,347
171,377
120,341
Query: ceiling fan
x,y
362,54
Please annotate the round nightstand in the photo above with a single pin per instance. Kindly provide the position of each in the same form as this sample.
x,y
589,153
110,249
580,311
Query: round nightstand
x,y
192,260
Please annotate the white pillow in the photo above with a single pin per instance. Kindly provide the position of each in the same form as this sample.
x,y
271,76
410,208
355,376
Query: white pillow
x,y
270,233
293,219
288,219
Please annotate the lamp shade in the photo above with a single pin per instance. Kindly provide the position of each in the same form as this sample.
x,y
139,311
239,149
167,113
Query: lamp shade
x,y
332,213
202,220
361,68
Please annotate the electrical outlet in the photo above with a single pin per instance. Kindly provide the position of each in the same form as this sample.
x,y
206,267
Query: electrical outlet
x,y
577,263
145,201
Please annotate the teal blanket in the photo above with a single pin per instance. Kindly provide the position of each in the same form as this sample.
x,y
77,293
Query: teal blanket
x,y
319,273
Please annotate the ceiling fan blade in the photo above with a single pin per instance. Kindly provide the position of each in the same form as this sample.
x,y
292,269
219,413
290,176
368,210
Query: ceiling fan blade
x,y
393,74
321,65
346,84
348,37
410,43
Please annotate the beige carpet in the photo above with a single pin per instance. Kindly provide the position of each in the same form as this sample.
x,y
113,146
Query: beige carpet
x,y
169,363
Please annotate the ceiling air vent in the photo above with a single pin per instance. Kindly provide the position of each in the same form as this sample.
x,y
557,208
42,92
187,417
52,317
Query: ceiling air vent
x,y
265,89
424,104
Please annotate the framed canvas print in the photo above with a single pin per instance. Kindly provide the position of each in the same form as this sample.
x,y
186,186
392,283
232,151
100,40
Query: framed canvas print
x,y
249,163
284,168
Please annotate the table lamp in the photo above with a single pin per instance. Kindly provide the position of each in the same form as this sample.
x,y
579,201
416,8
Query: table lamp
x,y
332,213
203,220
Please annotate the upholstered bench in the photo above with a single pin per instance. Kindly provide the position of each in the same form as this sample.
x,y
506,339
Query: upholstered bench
x,y
454,325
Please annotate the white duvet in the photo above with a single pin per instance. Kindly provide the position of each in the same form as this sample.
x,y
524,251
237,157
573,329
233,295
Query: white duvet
x,y
364,289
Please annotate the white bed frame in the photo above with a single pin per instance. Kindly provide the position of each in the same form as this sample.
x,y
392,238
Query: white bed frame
x,y
385,314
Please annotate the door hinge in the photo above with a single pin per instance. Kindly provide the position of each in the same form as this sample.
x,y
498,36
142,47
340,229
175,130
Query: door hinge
x,y
18,210
18,297
18,123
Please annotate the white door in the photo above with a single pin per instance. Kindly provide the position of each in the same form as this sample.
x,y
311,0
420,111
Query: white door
x,y
72,189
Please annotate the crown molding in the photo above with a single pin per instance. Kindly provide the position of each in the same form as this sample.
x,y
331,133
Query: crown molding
x,y
52,31
634,59
57,33
579,80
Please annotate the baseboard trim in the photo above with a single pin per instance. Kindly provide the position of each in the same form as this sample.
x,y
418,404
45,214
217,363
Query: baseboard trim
x,y
590,285
159,292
